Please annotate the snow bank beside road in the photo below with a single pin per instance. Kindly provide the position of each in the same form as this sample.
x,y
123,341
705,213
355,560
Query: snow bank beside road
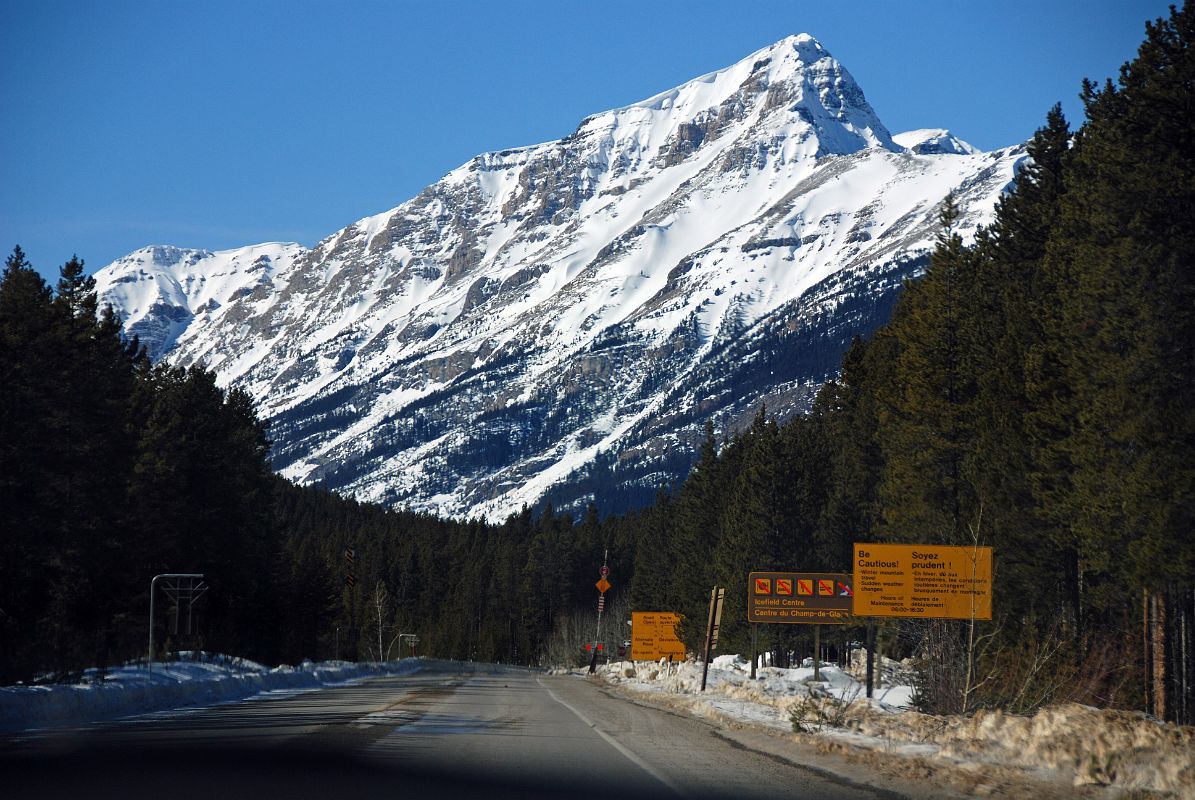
x,y
1069,745
205,681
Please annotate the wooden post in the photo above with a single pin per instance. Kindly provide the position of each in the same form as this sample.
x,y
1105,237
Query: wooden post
x,y
1159,655
709,638
754,647
871,646
1146,652
817,652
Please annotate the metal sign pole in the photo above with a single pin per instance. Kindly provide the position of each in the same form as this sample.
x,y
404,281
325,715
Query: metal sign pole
x,y
602,586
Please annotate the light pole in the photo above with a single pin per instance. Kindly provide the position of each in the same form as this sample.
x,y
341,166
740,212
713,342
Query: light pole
x,y
152,587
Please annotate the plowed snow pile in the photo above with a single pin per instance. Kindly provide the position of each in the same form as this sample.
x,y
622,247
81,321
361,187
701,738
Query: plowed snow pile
x,y
1079,745
198,680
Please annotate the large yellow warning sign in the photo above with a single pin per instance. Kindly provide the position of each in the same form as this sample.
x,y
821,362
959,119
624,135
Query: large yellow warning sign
x,y
653,636
923,580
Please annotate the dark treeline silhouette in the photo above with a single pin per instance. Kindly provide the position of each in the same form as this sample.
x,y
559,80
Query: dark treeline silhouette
x,y
1033,392
112,471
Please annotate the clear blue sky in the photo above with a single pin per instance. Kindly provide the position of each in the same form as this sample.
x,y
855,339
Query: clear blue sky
x,y
219,124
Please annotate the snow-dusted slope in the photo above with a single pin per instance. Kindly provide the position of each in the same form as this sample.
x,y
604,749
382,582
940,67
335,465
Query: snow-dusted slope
x,y
161,292
930,141
584,304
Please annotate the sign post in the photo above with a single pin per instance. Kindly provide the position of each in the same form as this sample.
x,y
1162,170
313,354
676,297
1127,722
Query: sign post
x,y
817,652
350,555
603,586
717,596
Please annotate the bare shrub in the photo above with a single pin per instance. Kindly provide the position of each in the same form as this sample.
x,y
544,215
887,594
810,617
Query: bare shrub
x,y
820,709
1044,666
572,630
939,650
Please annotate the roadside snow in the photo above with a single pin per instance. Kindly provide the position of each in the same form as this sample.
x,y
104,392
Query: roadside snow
x,y
200,680
1068,745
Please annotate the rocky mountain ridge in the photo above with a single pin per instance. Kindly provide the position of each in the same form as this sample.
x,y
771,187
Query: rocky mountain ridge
x,y
560,320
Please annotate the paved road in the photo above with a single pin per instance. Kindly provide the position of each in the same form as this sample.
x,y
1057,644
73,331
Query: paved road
x,y
450,730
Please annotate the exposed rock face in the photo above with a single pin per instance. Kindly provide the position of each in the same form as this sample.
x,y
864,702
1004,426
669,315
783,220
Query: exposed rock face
x,y
560,320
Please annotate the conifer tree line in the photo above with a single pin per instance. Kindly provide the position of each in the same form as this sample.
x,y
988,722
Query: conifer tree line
x,y
1033,392
112,471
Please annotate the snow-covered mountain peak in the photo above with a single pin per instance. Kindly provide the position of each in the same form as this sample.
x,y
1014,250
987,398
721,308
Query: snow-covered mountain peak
x,y
793,89
576,307
934,141
159,290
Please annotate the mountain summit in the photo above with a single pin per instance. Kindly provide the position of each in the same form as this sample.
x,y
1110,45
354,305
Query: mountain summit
x,y
560,320
809,100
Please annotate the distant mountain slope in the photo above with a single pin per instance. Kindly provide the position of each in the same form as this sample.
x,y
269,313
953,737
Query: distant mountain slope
x,y
560,320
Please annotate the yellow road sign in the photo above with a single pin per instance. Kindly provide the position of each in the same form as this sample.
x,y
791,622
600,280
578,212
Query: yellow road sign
x,y
924,581
653,636
603,585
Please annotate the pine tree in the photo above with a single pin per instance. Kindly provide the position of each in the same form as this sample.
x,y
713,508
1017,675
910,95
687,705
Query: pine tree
x,y
848,410
753,524
1014,384
927,432
1127,321
698,527
27,323
655,558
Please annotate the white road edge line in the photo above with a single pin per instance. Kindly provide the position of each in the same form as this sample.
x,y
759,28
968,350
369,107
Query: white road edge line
x,y
634,759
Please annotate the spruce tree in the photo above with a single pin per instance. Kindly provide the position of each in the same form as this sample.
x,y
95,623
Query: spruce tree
x,y
927,425
753,524
1013,381
27,348
698,527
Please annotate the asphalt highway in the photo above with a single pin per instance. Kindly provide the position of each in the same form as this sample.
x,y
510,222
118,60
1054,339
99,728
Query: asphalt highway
x,y
449,730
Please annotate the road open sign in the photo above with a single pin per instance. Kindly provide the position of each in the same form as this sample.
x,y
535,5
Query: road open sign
x,y
653,636
924,581
809,598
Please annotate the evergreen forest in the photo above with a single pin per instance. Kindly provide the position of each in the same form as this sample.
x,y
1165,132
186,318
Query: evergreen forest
x,y
1033,392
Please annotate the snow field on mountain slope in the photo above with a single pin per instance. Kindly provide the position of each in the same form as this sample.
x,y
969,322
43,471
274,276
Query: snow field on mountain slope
x,y
778,278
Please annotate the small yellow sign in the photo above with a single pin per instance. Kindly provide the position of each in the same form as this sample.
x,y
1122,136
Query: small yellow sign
x,y
603,585
924,581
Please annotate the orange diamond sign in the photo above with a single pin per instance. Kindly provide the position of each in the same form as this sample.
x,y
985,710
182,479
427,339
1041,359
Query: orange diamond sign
x,y
603,585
